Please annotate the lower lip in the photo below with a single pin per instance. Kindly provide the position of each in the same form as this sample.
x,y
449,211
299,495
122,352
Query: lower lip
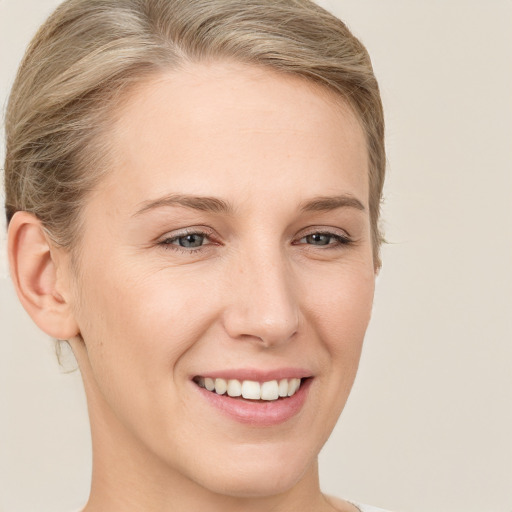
x,y
258,412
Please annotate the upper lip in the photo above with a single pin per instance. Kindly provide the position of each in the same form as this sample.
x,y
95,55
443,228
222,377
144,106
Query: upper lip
x,y
257,375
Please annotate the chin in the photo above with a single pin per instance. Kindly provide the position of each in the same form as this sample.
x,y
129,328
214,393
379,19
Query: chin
x,y
262,474
260,484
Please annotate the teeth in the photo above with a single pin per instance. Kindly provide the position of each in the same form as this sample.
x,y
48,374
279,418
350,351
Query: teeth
x,y
234,387
283,387
293,386
221,386
251,390
270,390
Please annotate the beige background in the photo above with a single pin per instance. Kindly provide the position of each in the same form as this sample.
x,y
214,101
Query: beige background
x,y
429,423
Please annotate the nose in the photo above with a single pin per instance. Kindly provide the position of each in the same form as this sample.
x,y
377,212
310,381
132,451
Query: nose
x,y
262,305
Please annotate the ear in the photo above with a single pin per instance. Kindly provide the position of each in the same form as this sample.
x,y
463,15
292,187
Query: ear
x,y
41,284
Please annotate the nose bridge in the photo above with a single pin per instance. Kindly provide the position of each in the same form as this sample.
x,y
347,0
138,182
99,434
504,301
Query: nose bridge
x,y
263,305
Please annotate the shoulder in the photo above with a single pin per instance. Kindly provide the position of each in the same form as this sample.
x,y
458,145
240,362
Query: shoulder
x,y
342,505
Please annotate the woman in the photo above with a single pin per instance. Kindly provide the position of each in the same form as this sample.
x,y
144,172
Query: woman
x,y
193,192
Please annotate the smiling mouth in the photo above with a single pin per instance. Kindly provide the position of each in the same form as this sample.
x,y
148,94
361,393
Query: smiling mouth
x,y
251,390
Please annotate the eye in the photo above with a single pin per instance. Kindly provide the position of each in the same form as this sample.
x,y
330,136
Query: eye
x,y
318,239
190,241
325,239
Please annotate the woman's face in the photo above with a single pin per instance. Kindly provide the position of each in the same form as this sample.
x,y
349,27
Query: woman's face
x,y
229,244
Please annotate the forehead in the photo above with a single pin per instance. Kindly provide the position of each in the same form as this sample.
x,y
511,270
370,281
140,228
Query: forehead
x,y
209,129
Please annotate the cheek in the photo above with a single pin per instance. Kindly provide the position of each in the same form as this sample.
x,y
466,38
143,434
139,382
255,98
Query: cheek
x,y
137,323
340,310
137,327
341,304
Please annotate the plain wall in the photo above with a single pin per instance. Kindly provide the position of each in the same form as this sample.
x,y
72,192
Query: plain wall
x,y
429,424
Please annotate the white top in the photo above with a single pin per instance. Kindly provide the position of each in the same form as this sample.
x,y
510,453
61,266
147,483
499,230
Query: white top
x,y
368,508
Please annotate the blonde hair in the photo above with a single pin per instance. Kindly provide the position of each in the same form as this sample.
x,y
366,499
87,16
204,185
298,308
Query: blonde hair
x,y
91,51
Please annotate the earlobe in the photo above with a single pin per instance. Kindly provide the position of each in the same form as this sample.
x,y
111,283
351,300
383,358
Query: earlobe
x,y
35,273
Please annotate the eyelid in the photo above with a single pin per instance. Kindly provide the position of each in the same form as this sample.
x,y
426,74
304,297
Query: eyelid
x,y
340,239
340,236
165,240
194,230
323,230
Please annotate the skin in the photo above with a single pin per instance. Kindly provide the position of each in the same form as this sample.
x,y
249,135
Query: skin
x,y
146,315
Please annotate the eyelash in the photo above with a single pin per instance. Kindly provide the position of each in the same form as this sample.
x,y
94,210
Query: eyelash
x,y
169,245
340,240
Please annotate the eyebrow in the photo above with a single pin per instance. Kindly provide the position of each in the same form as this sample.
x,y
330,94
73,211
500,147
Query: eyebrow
x,y
216,205
327,203
202,203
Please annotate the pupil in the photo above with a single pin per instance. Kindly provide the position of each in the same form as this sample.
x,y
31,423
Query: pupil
x,y
318,239
191,241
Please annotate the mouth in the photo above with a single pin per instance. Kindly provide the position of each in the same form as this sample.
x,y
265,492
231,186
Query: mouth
x,y
268,391
255,398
